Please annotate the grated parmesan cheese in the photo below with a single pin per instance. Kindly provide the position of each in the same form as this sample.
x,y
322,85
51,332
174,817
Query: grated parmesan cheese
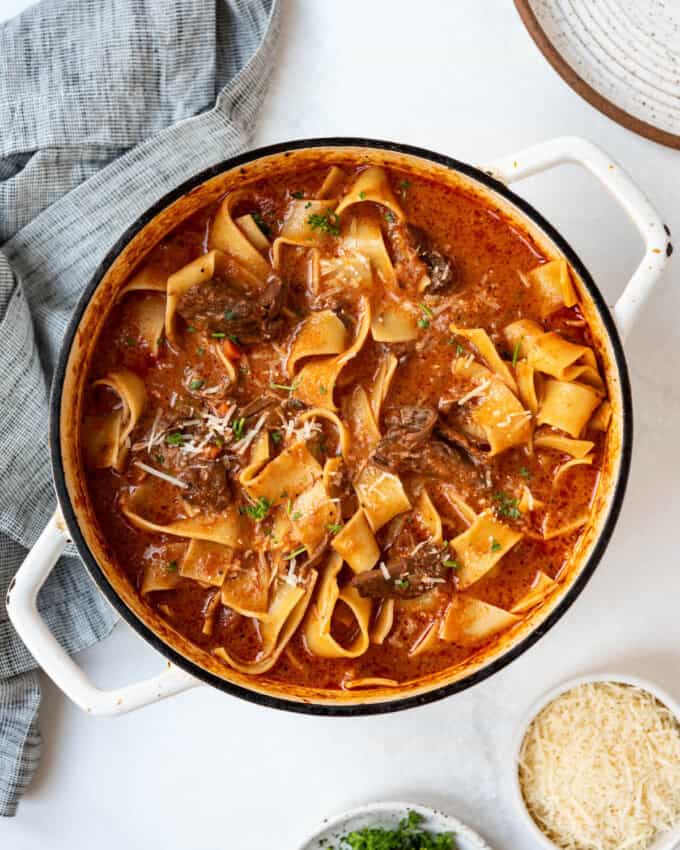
x,y
162,475
600,768
480,389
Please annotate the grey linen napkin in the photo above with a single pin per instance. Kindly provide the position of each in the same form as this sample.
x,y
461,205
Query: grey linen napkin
x,y
97,106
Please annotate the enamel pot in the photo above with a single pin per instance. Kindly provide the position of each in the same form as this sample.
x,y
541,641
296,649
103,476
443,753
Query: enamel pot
x,y
186,666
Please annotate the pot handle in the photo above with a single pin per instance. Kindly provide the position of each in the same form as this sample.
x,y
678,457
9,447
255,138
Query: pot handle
x,y
654,233
52,657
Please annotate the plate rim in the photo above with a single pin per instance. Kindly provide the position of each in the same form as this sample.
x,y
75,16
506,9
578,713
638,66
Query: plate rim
x,y
584,89
377,807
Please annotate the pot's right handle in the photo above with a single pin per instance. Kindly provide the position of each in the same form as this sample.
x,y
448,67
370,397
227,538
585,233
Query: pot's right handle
x,y
654,233
52,657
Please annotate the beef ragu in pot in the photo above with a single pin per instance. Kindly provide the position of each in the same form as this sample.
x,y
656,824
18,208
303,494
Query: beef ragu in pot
x,y
343,429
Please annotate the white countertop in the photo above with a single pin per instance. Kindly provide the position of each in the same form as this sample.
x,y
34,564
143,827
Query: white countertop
x,y
205,771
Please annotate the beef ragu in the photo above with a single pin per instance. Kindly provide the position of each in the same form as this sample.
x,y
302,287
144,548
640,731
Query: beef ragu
x,y
343,429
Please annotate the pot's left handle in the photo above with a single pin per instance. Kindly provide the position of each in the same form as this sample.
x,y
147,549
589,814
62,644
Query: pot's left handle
x,y
52,657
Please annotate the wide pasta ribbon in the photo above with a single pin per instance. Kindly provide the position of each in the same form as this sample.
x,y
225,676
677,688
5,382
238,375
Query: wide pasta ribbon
x,y
317,625
107,438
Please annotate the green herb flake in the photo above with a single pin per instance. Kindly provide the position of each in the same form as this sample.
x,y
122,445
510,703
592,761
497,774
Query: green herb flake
x,y
308,205
218,335
276,436
285,387
238,427
362,196
495,545
191,329
515,352
130,341
404,186
451,563
407,836
175,439
259,509
507,505
524,472
296,515
262,224
334,527
196,384
229,315
298,195
172,566
322,389
460,351
423,323
426,310
200,351
401,583
295,553
160,459
328,223
389,215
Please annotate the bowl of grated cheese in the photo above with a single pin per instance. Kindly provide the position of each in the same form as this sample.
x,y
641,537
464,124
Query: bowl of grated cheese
x,y
596,766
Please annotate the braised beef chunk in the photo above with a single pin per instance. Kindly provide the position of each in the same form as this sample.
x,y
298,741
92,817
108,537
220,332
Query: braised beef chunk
x,y
418,263
442,270
208,485
250,317
407,431
408,575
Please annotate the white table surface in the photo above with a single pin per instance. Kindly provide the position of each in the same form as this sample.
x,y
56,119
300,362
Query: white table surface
x,y
206,771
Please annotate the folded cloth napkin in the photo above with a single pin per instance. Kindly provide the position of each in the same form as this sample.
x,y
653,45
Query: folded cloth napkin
x,y
97,99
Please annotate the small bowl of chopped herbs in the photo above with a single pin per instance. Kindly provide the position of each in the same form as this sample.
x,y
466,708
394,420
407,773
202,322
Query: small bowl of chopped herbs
x,y
393,826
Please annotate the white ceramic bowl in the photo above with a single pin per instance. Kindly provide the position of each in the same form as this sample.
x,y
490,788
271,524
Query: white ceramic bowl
x,y
388,815
668,840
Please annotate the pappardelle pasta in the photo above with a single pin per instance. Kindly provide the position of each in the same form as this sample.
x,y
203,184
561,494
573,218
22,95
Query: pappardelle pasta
x,y
344,428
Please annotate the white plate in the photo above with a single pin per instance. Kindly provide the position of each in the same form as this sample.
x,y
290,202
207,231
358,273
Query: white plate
x,y
388,815
668,840
622,56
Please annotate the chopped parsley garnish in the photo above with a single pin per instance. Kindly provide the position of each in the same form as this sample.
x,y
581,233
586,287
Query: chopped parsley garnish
x,y
451,563
407,836
322,389
404,186
131,341
286,387
196,384
259,509
295,553
515,352
524,472
423,323
459,350
328,223
276,436
175,439
389,215
298,195
401,583
427,311
218,334
160,459
229,315
495,545
238,427
262,224
334,527
308,205
191,329
171,566
200,351
296,515
507,505
362,196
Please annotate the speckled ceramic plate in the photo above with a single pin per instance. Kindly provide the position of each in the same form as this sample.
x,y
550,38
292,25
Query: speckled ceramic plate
x,y
388,815
622,56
